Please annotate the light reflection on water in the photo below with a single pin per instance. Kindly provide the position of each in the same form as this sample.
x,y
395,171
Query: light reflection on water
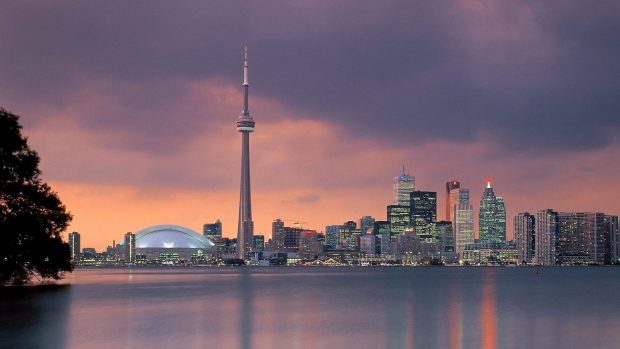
x,y
318,307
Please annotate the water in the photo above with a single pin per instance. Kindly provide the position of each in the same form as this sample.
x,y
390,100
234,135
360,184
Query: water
x,y
387,307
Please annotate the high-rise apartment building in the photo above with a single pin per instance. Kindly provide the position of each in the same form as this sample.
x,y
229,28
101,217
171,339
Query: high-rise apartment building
x,y
614,239
492,216
547,229
464,218
259,242
404,185
525,236
452,198
74,246
130,248
277,234
212,230
583,238
424,214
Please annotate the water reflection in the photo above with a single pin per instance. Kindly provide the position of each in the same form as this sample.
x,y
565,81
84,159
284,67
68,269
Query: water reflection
x,y
34,317
457,308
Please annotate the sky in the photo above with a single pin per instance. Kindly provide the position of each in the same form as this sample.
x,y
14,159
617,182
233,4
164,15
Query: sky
x,y
132,106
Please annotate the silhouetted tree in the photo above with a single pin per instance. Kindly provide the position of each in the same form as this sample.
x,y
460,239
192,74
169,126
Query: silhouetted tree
x,y
31,214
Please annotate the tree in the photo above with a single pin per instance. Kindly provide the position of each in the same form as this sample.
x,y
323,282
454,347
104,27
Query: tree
x,y
32,217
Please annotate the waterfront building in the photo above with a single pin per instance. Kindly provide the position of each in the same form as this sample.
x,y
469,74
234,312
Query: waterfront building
x,y
614,239
292,238
404,185
159,243
74,246
445,236
366,222
385,244
349,236
212,230
452,199
464,218
245,125
399,218
310,245
277,234
583,238
492,216
547,229
332,236
490,253
424,214
525,236
368,245
259,243
130,247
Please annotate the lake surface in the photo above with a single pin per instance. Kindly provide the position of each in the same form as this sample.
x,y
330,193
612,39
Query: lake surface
x,y
301,307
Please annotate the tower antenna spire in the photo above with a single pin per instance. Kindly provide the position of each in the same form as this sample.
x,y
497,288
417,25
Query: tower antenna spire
x,y
245,65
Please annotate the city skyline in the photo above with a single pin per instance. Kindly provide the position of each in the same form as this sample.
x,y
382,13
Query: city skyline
x,y
134,130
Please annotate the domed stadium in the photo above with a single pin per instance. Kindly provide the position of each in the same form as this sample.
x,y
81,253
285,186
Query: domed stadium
x,y
171,242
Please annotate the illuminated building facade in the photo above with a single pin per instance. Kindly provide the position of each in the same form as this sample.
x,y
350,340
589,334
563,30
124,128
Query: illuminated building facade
x,y
524,225
130,248
404,185
492,216
464,218
547,230
74,246
452,199
399,218
424,214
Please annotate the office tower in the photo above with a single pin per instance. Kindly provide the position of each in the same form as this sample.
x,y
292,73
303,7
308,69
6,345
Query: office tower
x,y
277,234
404,185
332,236
212,230
452,198
349,236
366,222
74,245
130,248
583,238
399,218
547,229
259,242
445,235
464,218
245,125
368,244
525,236
310,245
492,216
292,238
614,239
424,214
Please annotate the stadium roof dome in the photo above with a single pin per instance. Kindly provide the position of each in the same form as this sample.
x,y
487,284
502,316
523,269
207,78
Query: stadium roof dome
x,y
171,236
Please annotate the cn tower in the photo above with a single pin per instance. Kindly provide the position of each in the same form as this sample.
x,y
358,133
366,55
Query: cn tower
x,y
245,125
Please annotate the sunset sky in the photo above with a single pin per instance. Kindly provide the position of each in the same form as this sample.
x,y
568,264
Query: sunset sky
x,y
132,106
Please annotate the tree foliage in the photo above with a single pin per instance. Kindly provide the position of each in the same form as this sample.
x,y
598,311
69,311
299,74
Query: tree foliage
x,y
32,217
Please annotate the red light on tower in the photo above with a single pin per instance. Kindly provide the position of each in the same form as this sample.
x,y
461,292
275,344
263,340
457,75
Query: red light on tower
x,y
488,180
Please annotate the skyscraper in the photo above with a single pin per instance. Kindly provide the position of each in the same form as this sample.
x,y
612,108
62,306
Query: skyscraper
x,y
245,125
130,248
464,218
277,234
332,236
492,216
582,238
366,222
525,236
404,185
399,218
424,214
547,229
74,245
614,239
452,198
212,230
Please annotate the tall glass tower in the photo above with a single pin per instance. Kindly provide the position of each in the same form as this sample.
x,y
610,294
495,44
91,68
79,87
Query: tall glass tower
x,y
492,216
404,185
245,125
464,218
